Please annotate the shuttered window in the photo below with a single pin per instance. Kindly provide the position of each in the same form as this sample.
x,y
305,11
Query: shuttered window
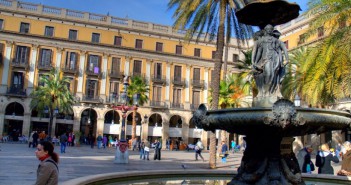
x,y
71,60
116,64
158,70
177,73
137,67
196,74
45,57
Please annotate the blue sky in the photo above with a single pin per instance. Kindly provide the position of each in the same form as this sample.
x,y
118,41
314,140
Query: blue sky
x,y
154,11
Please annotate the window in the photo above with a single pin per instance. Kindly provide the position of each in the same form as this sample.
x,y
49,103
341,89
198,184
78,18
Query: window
x,y
1,53
179,49
94,64
95,37
321,31
49,31
118,41
91,88
72,34
177,97
137,67
116,64
235,57
196,75
158,70
302,39
24,28
114,89
196,99
45,57
71,60
22,55
213,54
139,44
70,86
159,46
197,52
17,81
286,44
177,73
157,94
1,24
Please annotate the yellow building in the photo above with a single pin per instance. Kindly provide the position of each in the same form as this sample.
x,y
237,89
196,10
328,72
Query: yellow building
x,y
95,51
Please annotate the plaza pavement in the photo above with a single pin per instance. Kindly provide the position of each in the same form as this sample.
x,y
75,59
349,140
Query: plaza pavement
x,y
18,163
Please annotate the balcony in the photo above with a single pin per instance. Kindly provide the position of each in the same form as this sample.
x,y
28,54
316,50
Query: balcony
x,y
194,107
116,74
158,104
45,67
69,70
179,81
177,106
18,64
113,99
143,76
94,72
92,99
16,91
159,79
198,84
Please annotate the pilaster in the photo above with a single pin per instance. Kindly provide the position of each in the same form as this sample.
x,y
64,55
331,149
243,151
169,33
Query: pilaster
x,y
2,122
206,86
144,130
32,64
187,87
103,79
149,63
6,66
127,65
168,84
81,74
26,124
99,127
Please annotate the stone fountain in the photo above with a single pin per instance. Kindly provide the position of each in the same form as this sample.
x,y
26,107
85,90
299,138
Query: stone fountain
x,y
269,126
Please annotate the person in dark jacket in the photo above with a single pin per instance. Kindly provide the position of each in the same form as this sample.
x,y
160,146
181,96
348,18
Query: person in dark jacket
x,y
304,159
224,152
323,160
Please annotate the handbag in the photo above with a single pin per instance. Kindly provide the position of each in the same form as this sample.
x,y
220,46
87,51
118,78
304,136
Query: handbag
x,y
147,149
312,166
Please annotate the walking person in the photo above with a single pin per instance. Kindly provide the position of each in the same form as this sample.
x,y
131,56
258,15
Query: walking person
x,y
92,141
30,140
224,152
158,147
146,150
35,139
233,145
198,149
63,141
346,160
304,159
99,141
47,172
324,159
141,149
104,141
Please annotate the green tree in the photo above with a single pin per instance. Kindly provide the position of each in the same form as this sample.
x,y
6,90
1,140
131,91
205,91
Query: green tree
x,y
53,94
215,19
138,86
246,74
328,64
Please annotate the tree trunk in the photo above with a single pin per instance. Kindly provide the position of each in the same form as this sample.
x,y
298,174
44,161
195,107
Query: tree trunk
x,y
216,78
134,124
51,118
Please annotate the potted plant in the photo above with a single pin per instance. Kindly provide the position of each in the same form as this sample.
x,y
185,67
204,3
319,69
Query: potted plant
x,y
77,135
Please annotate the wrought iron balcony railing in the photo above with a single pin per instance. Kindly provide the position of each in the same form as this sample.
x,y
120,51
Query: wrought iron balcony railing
x,y
177,105
69,69
94,72
194,106
161,79
158,104
198,83
116,74
45,67
178,81
19,64
15,90
92,99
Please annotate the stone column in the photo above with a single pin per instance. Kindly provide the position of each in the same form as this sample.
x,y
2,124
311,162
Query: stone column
x,y
185,132
127,65
165,131
168,83
26,124
32,67
81,74
187,87
6,67
2,122
204,139
206,87
58,58
103,79
148,77
76,123
99,127
144,129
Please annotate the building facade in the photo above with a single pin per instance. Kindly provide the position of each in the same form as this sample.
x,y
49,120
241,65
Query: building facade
x,y
95,51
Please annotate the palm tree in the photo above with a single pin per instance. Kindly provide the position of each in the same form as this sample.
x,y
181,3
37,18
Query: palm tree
x,y
53,94
246,74
216,19
138,86
329,61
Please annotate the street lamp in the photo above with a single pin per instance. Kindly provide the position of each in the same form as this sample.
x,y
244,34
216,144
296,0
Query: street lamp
x,y
122,147
297,100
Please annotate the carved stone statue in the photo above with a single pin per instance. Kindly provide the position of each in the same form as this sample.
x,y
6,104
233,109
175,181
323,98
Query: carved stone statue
x,y
268,57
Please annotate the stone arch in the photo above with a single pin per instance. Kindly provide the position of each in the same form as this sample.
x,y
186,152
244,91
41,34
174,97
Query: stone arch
x,y
129,118
155,118
176,121
191,123
88,121
110,115
14,108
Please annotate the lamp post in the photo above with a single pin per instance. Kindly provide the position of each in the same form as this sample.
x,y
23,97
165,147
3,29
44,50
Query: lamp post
x,y
122,155
297,101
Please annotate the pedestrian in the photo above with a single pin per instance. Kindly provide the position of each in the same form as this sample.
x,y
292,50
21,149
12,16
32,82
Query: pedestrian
x,y
158,147
92,141
146,150
324,159
63,141
42,136
141,149
35,139
47,172
168,144
304,159
233,145
99,141
110,141
198,149
346,160
69,140
134,143
30,140
104,141
224,152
